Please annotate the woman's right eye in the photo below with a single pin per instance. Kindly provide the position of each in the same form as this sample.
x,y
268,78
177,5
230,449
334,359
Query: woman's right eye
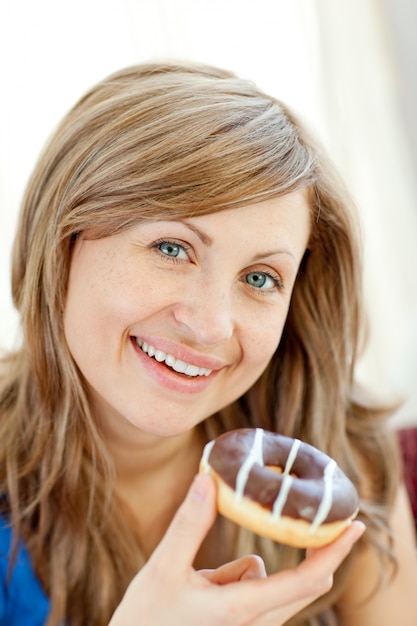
x,y
172,250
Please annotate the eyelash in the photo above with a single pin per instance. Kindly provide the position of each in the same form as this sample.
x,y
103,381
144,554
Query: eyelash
x,y
160,242
278,284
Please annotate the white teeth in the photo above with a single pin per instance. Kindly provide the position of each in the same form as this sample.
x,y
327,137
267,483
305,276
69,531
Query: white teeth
x,y
160,356
170,360
179,366
192,370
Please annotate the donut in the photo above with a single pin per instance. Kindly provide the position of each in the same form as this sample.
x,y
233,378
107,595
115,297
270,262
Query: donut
x,y
279,487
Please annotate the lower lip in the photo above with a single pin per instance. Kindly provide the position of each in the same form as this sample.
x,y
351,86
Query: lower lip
x,y
168,378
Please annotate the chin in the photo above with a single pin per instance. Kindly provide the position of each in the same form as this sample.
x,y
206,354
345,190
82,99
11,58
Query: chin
x,y
162,429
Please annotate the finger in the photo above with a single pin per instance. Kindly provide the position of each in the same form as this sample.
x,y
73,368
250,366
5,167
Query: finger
x,y
187,530
247,568
303,584
328,556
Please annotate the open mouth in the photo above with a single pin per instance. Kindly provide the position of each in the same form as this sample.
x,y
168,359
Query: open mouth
x,y
181,367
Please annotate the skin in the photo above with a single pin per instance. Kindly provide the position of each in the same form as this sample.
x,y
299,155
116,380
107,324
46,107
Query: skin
x,y
182,287
212,291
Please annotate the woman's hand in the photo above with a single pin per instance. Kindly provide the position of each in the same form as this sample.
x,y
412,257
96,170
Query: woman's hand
x,y
168,590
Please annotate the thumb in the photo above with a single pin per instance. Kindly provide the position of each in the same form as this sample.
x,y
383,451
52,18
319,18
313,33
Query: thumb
x,y
189,526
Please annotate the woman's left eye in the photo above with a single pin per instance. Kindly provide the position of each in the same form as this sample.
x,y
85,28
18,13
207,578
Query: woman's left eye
x,y
172,249
262,280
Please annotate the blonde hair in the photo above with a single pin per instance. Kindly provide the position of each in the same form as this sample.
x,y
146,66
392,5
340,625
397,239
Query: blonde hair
x,y
150,142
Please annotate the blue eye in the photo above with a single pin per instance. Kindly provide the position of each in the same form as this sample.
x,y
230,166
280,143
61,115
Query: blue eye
x,y
261,280
172,249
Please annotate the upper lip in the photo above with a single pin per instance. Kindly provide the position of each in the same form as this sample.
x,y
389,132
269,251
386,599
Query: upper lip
x,y
184,353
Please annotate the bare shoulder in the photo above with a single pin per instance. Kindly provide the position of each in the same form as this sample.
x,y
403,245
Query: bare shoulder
x,y
359,606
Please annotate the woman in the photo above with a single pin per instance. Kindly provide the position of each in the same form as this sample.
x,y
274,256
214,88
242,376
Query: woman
x,y
186,263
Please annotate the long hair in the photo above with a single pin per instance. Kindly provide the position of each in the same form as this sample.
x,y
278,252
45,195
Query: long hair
x,y
167,141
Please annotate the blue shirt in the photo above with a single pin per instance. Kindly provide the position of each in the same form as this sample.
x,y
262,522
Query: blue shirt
x,y
22,599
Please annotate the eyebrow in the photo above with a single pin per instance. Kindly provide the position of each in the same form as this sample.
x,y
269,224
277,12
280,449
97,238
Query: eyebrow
x,y
265,255
208,241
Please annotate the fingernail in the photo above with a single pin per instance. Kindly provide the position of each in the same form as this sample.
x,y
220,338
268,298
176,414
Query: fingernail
x,y
360,529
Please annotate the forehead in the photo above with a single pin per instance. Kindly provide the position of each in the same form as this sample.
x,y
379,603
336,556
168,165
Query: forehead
x,y
289,214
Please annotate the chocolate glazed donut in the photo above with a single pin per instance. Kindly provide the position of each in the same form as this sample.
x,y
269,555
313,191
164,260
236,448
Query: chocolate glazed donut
x,y
279,487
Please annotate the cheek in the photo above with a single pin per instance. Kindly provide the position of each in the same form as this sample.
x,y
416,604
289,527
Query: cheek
x,y
80,326
262,341
95,320
89,308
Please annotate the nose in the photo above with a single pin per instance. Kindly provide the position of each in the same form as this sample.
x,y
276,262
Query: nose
x,y
205,313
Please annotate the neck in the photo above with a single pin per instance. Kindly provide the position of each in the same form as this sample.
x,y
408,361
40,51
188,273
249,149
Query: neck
x,y
141,455
152,475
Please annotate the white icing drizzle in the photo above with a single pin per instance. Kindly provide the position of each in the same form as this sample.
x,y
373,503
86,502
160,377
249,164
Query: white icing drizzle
x,y
255,456
286,483
281,497
206,455
292,456
327,499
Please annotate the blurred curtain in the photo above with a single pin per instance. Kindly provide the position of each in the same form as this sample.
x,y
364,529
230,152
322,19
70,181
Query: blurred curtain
x,y
366,81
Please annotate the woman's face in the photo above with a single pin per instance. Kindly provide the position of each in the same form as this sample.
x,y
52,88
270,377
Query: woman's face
x,y
169,321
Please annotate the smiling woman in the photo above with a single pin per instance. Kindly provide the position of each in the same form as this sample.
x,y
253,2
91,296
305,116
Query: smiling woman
x,y
186,263
244,277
